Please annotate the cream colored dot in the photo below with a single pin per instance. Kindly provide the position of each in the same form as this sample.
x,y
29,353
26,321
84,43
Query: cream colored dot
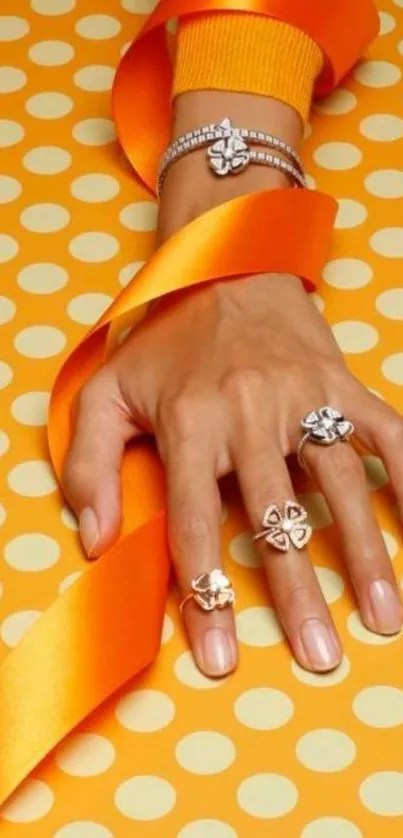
x,y
388,242
382,127
69,580
385,183
264,708
8,246
14,627
390,303
139,7
317,509
325,679
350,214
94,132
40,341
47,160
51,53
360,632
167,629
83,829
98,27
331,828
123,49
3,514
50,105
42,278
31,802
347,273
379,706
392,368
95,79
355,336
390,544
207,828
243,551
13,28
45,218
11,79
188,674
88,308
49,7
318,302
267,795
205,752
259,626
331,583
382,793
7,309
69,519
398,3
310,181
387,23
32,479
4,443
129,271
10,189
375,471
145,711
145,798
95,188
338,156
339,102
140,217
10,133
31,408
94,247
32,552
325,750
85,755
377,73
6,374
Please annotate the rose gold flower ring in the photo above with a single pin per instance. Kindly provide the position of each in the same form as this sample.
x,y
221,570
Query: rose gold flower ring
x,y
283,529
210,590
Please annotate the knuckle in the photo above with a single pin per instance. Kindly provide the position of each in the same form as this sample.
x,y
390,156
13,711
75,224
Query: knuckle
x,y
190,528
242,385
179,415
394,431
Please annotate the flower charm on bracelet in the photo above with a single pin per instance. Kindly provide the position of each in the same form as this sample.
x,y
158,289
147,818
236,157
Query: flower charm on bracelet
x,y
327,425
282,530
213,590
229,155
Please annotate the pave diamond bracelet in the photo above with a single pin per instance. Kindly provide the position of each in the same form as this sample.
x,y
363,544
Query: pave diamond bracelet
x,y
229,153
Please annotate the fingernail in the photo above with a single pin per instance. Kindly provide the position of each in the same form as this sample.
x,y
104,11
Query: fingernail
x,y
320,646
386,606
218,653
89,530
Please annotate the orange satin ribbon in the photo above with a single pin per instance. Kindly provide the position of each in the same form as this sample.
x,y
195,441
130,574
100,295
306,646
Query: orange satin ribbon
x,y
106,628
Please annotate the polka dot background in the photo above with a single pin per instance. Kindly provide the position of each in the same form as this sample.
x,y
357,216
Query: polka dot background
x,y
273,749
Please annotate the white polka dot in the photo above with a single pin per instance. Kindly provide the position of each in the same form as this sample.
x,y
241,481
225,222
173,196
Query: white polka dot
x,y
385,183
347,273
85,755
317,509
98,27
323,679
375,472
40,341
388,242
4,443
10,133
337,156
398,3
140,217
387,23
331,828
32,552
129,271
382,127
390,303
145,798
31,802
95,188
205,752
8,246
188,674
354,336
350,214
3,514
10,189
14,627
207,828
144,711
88,308
7,310
331,583
94,132
32,479
377,73
267,795
69,519
51,53
42,278
83,829
47,160
167,629
49,105
11,79
69,580
339,102
258,626
13,28
50,7
379,706
392,368
382,793
318,301
95,79
361,633
243,551
94,247
6,374
264,708
390,544
311,182
325,750
45,218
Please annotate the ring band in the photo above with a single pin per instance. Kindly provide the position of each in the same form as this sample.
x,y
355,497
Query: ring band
x,y
283,529
210,590
323,427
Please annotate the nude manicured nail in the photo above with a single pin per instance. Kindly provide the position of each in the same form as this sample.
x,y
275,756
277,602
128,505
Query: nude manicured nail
x,y
386,606
89,530
320,646
217,651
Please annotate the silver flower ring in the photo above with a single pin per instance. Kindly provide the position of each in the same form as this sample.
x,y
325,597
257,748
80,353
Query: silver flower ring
x,y
210,590
281,529
323,427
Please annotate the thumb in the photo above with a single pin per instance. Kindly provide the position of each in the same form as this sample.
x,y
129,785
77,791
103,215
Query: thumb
x,y
91,471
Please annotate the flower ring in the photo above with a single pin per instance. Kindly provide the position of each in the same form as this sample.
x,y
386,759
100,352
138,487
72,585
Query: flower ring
x,y
210,590
282,530
324,427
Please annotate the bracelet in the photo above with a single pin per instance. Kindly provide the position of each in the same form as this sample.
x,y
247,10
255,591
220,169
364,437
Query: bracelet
x,y
229,153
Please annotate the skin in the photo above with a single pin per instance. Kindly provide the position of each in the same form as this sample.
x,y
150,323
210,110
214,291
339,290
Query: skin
x,y
222,376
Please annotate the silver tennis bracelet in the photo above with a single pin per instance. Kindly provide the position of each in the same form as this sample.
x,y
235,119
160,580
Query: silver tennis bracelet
x,y
229,153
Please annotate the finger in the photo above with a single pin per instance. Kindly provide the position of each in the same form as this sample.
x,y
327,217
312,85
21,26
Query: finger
x,y
340,474
302,610
91,471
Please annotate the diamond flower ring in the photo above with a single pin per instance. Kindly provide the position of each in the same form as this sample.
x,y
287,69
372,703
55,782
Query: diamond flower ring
x,y
283,529
324,427
210,590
